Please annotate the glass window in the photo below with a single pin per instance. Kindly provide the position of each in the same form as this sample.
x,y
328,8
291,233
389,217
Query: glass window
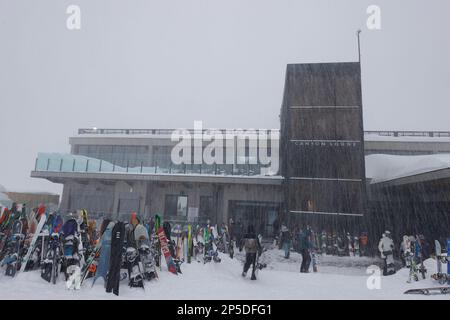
x,y
206,207
83,150
128,205
175,206
170,208
182,206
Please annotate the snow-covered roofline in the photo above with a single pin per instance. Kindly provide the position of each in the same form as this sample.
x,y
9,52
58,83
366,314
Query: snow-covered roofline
x,y
385,167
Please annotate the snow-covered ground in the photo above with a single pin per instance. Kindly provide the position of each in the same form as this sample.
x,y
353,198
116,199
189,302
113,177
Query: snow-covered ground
x,y
338,278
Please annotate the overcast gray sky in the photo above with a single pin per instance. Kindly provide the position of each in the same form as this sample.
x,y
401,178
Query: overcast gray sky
x,y
159,63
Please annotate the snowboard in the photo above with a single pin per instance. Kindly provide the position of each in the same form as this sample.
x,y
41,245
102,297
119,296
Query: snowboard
x,y
419,255
12,260
117,242
52,261
135,268
165,250
448,258
258,264
33,240
84,234
438,251
71,254
5,230
90,266
189,239
429,291
157,244
105,254
147,257
185,244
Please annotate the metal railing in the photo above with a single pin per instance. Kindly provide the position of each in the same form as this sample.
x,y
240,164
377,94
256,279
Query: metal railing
x,y
385,133
155,131
92,165
432,134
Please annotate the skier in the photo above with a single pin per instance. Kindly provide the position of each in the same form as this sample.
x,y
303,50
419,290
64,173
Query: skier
x,y
386,248
252,247
304,245
285,241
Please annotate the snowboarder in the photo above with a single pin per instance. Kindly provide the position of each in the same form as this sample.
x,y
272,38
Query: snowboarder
x,y
363,243
386,248
276,227
252,247
304,245
285,241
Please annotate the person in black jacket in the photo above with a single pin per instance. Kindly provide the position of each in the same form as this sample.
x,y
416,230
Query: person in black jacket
x,y
252,247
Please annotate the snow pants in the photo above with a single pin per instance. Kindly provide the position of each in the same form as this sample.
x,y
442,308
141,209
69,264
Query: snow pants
x,y
306,260
250,259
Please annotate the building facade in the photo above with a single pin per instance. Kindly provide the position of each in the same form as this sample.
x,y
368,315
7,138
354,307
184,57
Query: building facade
x,y
320,149
323,145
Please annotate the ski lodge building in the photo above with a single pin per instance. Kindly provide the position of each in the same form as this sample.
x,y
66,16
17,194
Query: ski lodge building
x,y
331,173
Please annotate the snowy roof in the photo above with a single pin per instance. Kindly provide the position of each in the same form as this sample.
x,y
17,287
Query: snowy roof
x,y
385,167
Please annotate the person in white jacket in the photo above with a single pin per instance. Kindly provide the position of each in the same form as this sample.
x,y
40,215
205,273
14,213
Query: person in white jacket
x,y
386,248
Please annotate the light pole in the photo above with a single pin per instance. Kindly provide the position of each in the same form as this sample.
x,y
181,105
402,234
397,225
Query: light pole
x,y
359,45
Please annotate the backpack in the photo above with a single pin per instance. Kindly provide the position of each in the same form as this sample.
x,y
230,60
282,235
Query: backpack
x,y
250,245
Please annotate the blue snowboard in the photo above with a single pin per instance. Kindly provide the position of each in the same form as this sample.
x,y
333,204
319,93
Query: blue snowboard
x,y
448,259
105,254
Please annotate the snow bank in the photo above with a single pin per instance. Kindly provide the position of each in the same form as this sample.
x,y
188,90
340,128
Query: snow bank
x,y
384,167
338,278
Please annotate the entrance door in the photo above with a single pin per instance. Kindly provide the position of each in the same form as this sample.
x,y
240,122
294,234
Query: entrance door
x,y
259,214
